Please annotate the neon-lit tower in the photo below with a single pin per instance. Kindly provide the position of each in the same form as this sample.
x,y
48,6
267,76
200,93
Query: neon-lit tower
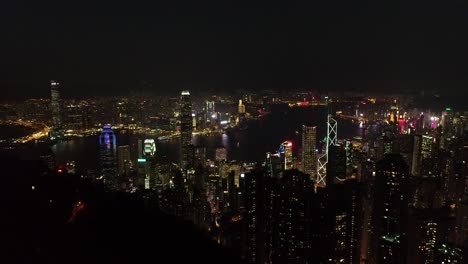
x,y
330,140
108,157
286,152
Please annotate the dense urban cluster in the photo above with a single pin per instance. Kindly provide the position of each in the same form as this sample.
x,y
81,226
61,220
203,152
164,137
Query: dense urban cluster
x,y
395,191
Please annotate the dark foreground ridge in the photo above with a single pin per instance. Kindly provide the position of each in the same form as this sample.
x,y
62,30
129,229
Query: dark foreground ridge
x,y
59,218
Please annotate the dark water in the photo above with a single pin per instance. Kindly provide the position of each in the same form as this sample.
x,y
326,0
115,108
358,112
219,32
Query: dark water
x,y
249,144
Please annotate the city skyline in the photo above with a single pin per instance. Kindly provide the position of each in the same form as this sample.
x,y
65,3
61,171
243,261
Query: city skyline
x,y
262,132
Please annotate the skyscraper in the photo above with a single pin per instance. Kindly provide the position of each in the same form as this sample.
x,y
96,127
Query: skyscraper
x,y
186,128
309,154
427,154
336,166
55,103
289,218
209,111
286,154
390,210
108,157
124,160
150,148
55,106
241,107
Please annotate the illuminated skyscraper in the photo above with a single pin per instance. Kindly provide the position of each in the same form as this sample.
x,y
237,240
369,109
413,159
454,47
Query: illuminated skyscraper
x,y
309,154
186,129
108,157
149,148
55,104
241,107
286,152
390,210
426,154
209,111
55,107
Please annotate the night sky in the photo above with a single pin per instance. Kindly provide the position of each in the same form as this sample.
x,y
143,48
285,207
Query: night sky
x,y
111,47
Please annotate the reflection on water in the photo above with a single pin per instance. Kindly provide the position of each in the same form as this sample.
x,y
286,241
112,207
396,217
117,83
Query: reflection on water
x,y
242,145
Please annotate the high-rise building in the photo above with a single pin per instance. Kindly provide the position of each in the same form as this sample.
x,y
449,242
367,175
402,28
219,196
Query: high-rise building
x,y
289,218
241,107
426,156
108,157
124,160
390,210
143,176
149,148
345,206
286,154
258,203
336,166
186,128
75,117
55,104
209,111
309,153
273,165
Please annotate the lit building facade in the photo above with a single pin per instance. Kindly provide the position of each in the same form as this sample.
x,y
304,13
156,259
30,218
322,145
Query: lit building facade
x,y
186,128
287,154
108,158
390,210
149,148
55,104
309,154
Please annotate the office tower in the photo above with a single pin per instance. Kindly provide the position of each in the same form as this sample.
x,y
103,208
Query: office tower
x,y
75,119
322,160
286,154
427,166
186,129
258,203
410,147
273,164
142,180
124,160
241,107
209,111
390,210
345,206
289,218
108,155
309,153
149,148
55,104
336,166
